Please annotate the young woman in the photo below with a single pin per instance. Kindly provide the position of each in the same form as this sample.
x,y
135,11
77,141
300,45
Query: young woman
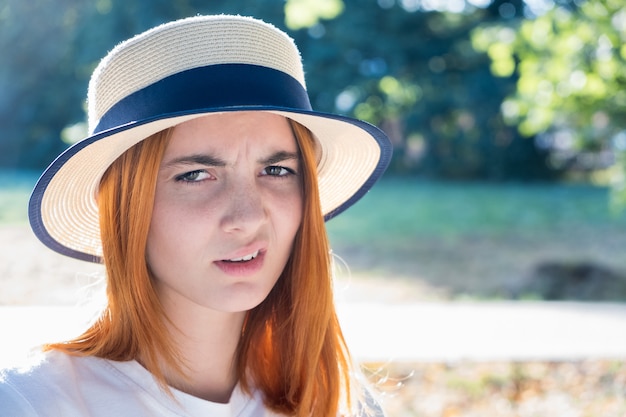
x,y
203,188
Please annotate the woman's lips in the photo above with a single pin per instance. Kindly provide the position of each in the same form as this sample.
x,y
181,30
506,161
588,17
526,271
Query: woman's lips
x,y
245,265
244,258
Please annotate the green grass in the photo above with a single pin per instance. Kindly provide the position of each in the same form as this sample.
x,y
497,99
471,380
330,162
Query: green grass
x,y
399,210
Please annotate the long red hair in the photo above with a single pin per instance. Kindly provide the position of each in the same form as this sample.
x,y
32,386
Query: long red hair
x,y
292,347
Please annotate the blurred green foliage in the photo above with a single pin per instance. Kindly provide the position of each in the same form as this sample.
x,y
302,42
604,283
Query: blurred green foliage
x,y
414,72
302,14
571,91
419,69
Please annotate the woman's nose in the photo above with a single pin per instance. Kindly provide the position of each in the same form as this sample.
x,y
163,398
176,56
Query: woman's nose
x,y
245,210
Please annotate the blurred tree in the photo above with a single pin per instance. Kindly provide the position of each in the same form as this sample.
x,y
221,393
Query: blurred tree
x,y
397,63
413,71
571,62
35,43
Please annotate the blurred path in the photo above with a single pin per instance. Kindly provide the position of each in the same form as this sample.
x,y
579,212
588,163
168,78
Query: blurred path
x,y
485,331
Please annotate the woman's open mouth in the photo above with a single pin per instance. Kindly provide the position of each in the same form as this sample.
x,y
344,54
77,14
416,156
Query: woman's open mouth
x,y
246,258
245,265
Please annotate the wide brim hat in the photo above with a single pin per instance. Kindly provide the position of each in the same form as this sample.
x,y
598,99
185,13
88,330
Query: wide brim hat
x,y
183,70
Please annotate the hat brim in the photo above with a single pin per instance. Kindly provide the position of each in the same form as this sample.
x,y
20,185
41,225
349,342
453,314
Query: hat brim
x,y
63,211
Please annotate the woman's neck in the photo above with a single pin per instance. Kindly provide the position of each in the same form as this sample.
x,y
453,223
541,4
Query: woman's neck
x,y
207,342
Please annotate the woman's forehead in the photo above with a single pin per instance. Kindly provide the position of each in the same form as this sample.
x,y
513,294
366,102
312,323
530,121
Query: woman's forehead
x,y
224,133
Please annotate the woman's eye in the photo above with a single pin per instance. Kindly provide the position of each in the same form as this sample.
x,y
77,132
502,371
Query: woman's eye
x,y
277,171
193,176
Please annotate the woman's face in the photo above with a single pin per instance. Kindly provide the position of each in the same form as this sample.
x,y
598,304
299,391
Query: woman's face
x,y
228,204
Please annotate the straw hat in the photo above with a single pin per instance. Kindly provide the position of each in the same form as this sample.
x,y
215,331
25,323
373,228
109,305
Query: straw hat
x,y
180,71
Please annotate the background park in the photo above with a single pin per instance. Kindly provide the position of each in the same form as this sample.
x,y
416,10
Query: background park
x,y
507,184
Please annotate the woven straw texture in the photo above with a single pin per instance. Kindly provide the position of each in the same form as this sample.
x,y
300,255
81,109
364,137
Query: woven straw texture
x,y
187,44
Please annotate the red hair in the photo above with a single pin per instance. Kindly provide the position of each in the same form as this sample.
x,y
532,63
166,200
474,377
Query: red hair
x,y
131,325
292,348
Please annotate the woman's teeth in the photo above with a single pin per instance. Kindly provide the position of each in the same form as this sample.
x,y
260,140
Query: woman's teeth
x,y
244,258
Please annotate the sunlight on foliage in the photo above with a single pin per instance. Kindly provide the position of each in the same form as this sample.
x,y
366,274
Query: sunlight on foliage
x,y
570,65
399,96
301,14
503,63
389,98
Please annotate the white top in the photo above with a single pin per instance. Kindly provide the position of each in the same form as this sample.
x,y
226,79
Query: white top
x,y
70,386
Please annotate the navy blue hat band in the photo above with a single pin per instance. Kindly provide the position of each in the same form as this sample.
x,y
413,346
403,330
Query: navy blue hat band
x,y
205,88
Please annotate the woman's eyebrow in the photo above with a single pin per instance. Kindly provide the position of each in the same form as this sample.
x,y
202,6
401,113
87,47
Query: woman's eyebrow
x,y
209,160
197,159
279,156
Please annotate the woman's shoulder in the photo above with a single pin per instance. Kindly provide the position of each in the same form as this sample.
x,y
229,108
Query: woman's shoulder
x,y
58,384
39,368
46,377
55,383
36,381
